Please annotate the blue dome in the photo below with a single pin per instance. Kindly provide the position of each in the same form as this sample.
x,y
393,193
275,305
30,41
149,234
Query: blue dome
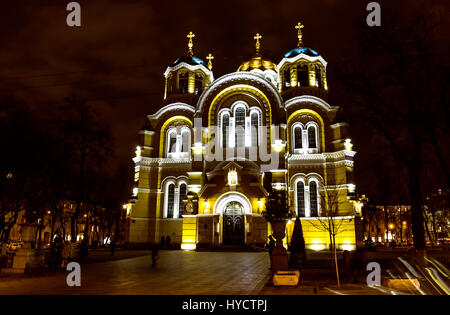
x,y
297,51
193,61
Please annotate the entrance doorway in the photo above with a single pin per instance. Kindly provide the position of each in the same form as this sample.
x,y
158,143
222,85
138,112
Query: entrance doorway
x,y
233,223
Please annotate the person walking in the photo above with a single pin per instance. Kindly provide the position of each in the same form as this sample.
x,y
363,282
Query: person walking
x,y
112,247
155,255
168,241
271,245
65,254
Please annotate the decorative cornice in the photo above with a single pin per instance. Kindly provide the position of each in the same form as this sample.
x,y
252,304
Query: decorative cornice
x,y
190,67
169,107
310,99
147,161
326,157
301,56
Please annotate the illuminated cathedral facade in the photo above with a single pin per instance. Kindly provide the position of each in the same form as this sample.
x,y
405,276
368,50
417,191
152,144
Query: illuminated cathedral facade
x,y
208,158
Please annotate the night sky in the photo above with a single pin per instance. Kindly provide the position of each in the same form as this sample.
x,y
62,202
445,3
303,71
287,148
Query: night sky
x,y
117,58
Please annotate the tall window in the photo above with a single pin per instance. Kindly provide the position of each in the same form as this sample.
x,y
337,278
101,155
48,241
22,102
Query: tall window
x,y
313,198
300,199
170,200
198,83
254,131
307,197
174,194
312,141
169,84
298,137
239,118
225,129
185,141
318,77
183,82
287,78
240,127
182,192
302,75
178,142
172,142
305,138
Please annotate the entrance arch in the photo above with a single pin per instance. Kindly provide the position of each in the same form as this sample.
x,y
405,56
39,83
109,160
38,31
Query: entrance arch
x,y
222,201
233,223
233,206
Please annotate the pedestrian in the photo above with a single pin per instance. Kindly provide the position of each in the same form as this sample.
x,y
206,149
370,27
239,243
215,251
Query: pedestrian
x,y
112,247
167,241
163,242
155,255
271,245
65,254
57,253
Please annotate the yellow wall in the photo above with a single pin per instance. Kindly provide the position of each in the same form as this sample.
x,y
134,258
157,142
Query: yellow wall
x,y
316,238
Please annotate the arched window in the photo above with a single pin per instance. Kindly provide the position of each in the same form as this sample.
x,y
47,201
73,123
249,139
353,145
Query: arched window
x,y
172,144
312,137
313,202
254,118
239,118
178,142
300,199
318,77
225,129
183,82
185,141
170,200
182,192
298,137
287,78
198,83
302,75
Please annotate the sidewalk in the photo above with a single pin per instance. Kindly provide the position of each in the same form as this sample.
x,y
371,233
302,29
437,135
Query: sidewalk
x,y
320,282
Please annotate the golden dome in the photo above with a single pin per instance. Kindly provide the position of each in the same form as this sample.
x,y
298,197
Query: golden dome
x,y
257,63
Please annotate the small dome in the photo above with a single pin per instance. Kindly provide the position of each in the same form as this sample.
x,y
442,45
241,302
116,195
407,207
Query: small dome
x,y
193,61
297,51
258,63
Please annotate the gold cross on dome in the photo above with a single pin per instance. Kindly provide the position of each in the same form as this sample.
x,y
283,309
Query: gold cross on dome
x,y
299,27
210,58
258,45
190,43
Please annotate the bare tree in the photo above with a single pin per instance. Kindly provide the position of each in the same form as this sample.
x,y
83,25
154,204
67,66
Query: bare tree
x,y
398,94
331,219
88,139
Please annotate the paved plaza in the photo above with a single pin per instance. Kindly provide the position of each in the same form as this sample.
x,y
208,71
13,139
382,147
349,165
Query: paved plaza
x,y
177,272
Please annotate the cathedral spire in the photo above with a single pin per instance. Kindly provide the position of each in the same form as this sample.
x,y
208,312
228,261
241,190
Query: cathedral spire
x,y
210,58
258,45
190,44
299,27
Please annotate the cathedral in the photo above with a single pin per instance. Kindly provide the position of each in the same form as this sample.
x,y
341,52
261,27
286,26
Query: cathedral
x,y
208,158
